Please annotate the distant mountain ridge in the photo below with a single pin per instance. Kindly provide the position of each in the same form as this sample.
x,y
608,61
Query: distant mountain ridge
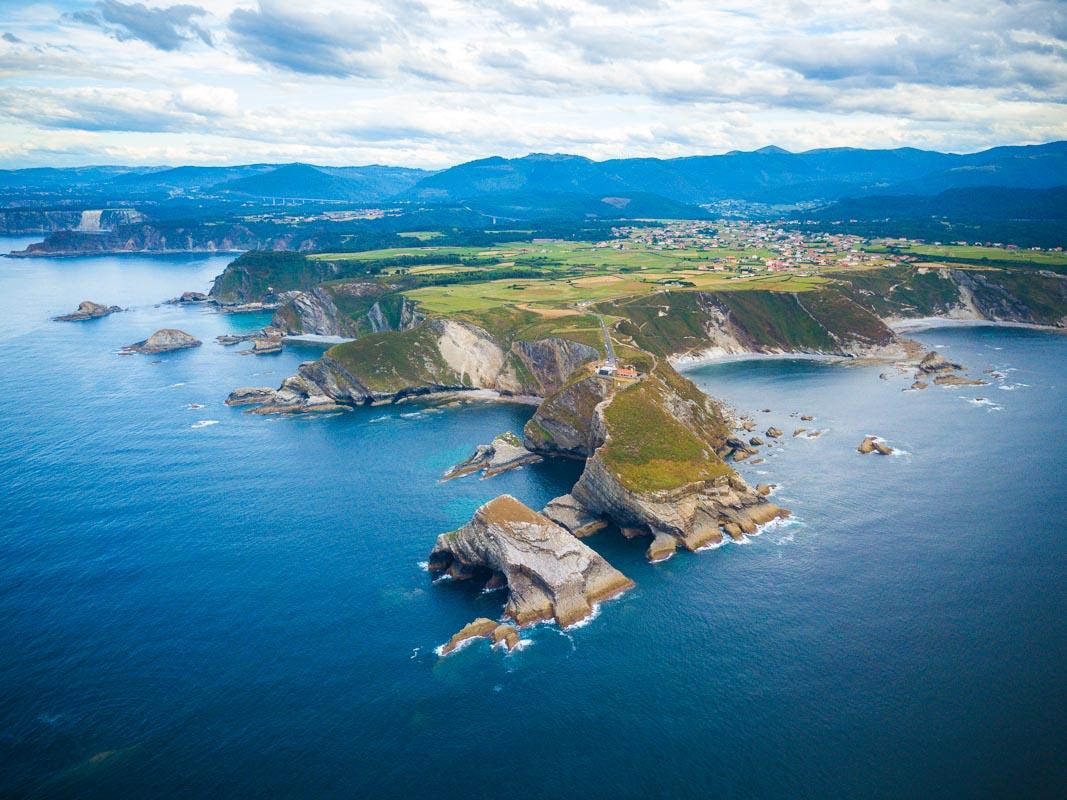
x,y
768,175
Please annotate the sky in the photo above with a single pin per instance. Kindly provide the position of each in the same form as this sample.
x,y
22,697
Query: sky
x,y
431,83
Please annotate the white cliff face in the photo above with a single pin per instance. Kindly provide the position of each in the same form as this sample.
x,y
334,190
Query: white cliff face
x,y
471,354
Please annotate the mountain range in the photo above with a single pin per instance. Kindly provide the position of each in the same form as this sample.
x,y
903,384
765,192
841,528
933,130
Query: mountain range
x,y
568,185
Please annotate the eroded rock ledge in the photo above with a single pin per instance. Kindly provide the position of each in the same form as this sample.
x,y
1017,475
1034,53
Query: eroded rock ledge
x,y
504,453
549,573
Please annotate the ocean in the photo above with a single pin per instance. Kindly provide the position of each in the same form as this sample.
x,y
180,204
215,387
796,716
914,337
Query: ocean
x,y
196,602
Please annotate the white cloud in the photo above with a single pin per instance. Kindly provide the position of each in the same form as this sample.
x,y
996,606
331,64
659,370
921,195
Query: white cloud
x,y
433,82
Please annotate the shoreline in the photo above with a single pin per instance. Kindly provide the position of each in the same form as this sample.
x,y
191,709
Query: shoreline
x,y
685,363
928,323
88,253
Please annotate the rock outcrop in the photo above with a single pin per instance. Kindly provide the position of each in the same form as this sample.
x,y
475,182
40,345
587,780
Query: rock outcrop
x,y
873,444
568,512
163,341
958,380
87,309
502,634
548,572
933,363
250,395
504,453
262,345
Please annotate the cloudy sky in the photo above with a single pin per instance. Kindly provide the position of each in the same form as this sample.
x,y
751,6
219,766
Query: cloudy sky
x,y
435,82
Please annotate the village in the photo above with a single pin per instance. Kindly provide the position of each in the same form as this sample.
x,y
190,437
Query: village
x,y
748,246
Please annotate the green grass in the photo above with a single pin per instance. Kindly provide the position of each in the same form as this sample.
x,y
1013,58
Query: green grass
x,y
978,254
392,361
648,449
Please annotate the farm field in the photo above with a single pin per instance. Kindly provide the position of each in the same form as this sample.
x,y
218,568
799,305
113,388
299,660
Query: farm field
x,y
1039,258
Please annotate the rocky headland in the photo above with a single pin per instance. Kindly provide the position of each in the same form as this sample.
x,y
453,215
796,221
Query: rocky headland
x,y
657,452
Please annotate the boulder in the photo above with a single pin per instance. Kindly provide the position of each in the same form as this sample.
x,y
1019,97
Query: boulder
x,y
550,574
756,441
87,309
773,433
798,431
919,385
163,341
806,418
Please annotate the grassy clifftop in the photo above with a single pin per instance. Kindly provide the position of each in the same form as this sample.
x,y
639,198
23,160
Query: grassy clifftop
x,y
651,449
820,320
394,361
260,272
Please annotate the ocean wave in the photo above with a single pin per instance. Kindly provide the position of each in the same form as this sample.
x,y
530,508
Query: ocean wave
x,y
379,419
194,406
585,620
985,402
203,423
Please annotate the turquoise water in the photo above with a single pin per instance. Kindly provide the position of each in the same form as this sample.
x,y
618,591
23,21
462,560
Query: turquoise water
x,y
237,609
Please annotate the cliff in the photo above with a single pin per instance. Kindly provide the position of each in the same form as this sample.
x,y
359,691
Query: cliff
x,y
656,468
823,321
436,355
350,309
16,222
148,238
563,422
549,574
1030,296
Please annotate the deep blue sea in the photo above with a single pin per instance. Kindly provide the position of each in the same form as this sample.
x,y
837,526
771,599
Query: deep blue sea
x,y
201,603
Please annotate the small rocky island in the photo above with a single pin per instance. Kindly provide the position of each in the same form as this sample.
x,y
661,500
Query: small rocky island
x,y
87,309
549,574
163,341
